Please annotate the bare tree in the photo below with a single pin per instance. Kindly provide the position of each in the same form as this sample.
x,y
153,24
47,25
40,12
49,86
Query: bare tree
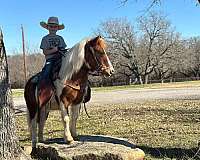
x,y
156,41
15,63
34,60
121,44
138,56
190,61
151,2
167,66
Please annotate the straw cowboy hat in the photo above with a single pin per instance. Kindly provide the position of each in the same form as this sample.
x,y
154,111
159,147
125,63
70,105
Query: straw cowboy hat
x,y
52,21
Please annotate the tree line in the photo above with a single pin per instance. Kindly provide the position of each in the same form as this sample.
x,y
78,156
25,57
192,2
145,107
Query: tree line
x,y
150,50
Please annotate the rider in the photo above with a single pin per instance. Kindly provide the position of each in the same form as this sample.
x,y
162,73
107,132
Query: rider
x,y
51,44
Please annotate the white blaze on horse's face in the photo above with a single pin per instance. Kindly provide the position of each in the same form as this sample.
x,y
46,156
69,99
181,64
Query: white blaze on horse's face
x,y
108,70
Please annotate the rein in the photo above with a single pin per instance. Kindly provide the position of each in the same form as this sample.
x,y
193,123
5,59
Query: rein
x,y
99,67
63,52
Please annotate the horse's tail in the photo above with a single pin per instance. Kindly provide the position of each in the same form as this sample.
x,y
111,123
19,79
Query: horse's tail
x,y
31,101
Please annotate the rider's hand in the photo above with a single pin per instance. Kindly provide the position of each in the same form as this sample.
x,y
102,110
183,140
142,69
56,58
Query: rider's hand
x,y
55,49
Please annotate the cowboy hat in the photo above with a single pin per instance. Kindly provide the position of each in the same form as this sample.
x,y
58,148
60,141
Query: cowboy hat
x,y
52,21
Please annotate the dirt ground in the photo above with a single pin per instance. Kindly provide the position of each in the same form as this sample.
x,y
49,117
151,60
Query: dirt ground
x,y
126,96
131,95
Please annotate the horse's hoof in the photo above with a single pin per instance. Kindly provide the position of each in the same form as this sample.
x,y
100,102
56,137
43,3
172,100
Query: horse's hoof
x,y
41,141
34,153
76,138
70,142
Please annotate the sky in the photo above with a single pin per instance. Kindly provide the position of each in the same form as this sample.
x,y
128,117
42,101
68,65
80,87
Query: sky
x,y
82,17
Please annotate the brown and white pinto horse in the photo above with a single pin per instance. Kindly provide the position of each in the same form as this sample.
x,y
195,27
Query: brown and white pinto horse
x,y
86,56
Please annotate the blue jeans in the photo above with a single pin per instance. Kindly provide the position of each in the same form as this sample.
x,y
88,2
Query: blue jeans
x,y
46,71
45,75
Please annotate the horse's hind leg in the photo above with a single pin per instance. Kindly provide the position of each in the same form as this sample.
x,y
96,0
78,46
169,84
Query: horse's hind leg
x,y
65,118
41,124
33,130
75,110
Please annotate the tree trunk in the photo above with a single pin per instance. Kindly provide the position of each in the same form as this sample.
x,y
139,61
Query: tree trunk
x,y
9,144
146,78
140,80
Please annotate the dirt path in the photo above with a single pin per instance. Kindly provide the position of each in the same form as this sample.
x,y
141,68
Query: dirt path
x,y
130,96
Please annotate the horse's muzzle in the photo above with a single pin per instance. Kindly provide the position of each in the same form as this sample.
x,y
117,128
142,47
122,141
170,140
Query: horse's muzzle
x,y
108,71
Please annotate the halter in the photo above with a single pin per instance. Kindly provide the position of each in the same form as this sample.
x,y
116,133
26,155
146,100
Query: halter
x,y
99,67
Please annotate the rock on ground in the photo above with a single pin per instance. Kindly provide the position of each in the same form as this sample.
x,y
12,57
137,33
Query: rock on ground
x,y
90,148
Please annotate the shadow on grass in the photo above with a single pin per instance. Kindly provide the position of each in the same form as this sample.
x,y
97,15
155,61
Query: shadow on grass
x,y
95,138
178,153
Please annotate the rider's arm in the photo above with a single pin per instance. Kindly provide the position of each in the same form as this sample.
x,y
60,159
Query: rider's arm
x,y
50,51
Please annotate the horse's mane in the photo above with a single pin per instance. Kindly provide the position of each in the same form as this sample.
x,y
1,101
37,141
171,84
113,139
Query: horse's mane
x,y
73,60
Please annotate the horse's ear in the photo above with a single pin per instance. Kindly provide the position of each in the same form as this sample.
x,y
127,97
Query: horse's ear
x,y
97,37
93,41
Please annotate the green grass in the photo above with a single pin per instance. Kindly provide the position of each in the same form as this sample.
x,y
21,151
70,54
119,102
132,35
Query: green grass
x,y
163,129
151,86
17,92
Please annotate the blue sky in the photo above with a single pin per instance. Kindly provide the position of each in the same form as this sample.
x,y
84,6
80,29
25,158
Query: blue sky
x,y
81,18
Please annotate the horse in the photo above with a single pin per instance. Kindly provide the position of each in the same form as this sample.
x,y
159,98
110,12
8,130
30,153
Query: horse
x,y
87,56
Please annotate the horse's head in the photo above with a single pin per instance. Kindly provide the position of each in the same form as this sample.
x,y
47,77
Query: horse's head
x,y
96,58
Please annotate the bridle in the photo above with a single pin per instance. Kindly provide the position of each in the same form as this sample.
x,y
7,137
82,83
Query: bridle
x,y
98,64
100,68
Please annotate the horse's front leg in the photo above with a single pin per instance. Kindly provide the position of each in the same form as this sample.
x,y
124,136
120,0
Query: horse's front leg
x,y
75,110
65,118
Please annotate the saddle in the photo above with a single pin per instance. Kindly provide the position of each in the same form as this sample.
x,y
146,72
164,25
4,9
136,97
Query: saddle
x,y
47,88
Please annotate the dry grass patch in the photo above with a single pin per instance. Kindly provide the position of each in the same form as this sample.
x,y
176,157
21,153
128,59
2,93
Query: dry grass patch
x,y
160,128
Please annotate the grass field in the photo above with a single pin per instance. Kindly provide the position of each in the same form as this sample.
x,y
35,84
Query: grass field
x,y
163,129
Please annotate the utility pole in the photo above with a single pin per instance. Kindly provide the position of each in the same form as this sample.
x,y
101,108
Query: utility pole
x,y
24,55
